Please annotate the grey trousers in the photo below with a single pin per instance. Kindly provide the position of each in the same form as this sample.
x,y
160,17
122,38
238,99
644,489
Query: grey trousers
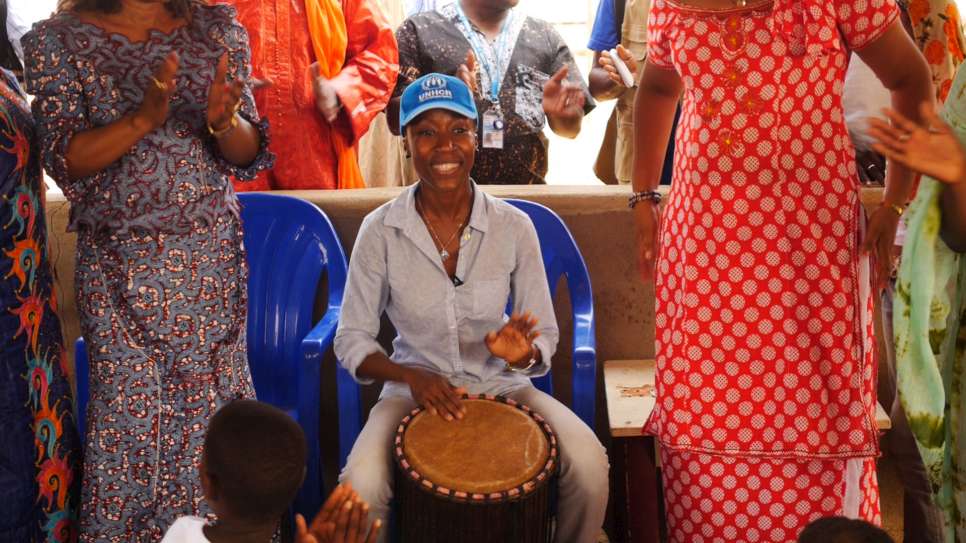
x,y
922,519
583,468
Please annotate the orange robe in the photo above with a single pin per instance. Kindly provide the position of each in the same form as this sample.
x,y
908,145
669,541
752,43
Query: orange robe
x,y
282,52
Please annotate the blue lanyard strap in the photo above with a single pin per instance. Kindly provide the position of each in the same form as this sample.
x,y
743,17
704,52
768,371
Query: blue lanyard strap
x,y
501,53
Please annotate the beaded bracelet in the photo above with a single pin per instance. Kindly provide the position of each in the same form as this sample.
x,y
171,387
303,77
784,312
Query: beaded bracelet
x,y
652,196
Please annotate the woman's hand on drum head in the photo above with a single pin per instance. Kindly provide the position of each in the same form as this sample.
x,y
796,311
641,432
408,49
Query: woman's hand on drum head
x,y
514,342
646,218
344,518
436,394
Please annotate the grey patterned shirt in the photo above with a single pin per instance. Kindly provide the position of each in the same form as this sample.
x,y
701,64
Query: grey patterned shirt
x,y
432,42
395,268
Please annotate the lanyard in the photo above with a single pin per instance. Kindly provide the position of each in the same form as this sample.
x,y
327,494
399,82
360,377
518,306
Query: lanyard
x,y
493,68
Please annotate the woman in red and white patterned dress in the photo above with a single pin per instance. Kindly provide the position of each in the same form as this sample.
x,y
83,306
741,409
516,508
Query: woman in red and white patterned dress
x,y
763,262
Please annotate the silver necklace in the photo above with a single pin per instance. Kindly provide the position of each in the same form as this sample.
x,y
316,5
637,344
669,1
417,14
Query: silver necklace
x,y
443,253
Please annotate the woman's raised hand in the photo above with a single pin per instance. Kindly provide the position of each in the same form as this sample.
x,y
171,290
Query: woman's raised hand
x,y
932,148
514,341
224,98
157,96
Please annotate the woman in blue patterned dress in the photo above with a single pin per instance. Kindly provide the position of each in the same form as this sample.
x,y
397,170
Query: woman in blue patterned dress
x,y
39,447
144,110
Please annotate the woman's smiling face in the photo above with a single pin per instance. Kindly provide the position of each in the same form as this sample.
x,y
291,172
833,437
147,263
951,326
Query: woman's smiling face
x,y
443,148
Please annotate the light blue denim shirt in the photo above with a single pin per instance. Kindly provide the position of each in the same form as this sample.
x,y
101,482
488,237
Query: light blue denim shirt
x,y
396,268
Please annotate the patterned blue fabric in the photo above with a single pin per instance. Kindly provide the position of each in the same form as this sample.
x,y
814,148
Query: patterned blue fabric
x,y
161,274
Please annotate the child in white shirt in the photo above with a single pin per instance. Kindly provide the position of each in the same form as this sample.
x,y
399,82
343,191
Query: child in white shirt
x,y
252,466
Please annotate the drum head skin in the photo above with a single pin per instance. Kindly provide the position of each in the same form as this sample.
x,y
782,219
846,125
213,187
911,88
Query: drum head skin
x,y
495,447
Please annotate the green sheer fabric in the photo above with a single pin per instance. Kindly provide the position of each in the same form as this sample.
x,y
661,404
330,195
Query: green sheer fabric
x,y
930,336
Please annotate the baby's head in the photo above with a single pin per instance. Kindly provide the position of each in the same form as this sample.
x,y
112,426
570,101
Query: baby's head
x,y
253,463
842,530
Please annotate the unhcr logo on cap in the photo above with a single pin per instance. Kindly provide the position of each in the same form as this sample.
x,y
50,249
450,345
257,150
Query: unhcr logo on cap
x,y
436,91
435,88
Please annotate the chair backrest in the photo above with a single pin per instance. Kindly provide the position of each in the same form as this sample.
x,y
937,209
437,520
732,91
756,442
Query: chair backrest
x,y
562,260
289,242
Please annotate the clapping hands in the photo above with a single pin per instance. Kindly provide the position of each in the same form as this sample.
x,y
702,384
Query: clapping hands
x,y
344,518
468,72
563,99
157,95
326,98
224,97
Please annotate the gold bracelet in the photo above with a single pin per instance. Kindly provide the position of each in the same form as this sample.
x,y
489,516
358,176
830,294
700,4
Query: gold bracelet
x,y
162,86
899,210
219,133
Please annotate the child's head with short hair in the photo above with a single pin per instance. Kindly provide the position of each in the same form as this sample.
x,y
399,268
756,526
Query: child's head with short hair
x,y
843,530
253,462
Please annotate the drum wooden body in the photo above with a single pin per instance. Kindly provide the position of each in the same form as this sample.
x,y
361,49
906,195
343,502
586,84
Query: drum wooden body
x,y
487,478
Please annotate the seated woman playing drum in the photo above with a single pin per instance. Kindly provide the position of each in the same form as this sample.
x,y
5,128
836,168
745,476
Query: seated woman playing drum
x,y
441,260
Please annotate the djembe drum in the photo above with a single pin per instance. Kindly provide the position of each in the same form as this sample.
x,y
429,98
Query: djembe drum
x,y
488,477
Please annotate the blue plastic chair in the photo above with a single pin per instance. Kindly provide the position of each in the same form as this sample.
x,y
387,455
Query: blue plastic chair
x,y
561,259
289,242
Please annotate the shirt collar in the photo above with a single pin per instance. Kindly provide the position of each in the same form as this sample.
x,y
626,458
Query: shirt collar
x,y
403,215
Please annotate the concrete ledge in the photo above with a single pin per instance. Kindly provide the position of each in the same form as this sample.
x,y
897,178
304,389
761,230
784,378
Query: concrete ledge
x,y
596,215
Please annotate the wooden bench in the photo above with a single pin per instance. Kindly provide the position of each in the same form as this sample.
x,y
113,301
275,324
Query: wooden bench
x,y
630,400
629,386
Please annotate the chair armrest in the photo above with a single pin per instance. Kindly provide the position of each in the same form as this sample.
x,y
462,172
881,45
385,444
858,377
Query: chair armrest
x,y
314,346
350,412
320,338
584,370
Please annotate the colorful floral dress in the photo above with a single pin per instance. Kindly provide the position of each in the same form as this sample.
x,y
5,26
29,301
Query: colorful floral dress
x,y
939,33
39,448
160,273
766,363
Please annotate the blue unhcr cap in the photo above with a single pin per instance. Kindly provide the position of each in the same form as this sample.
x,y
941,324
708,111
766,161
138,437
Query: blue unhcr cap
x,y
436,91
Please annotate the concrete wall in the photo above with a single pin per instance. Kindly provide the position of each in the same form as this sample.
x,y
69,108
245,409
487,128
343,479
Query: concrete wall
x,y
596,215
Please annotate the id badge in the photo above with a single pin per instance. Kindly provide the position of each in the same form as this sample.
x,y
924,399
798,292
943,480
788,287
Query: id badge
x,y
493,130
